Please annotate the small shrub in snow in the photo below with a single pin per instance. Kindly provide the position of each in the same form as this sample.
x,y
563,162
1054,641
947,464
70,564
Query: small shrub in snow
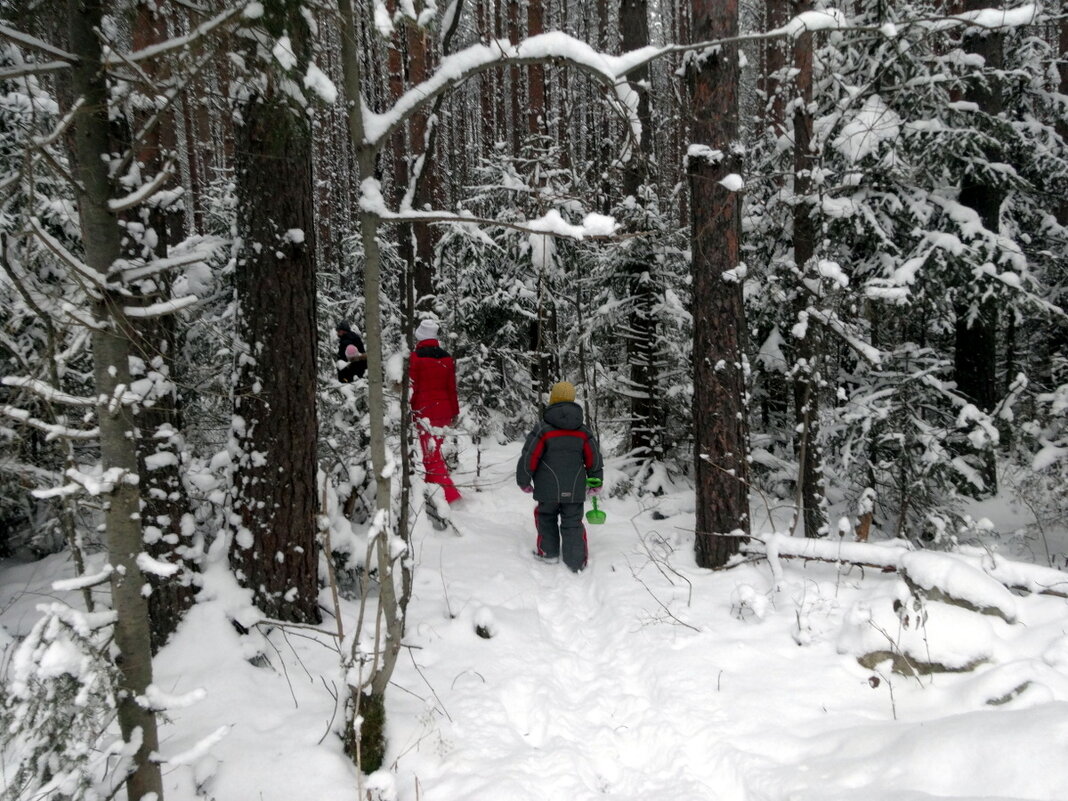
x,y
748,604
381,786
485,624
58,705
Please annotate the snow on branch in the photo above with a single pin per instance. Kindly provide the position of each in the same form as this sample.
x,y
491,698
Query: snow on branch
x,y
156,699
832,322
33,43
46,391
79,267
155,567
161,309
965,574
186,41
52,430
547,47
102,484
41,68
83,582
41,142
809,21
143,192
992,18
200,251
593,226
200,749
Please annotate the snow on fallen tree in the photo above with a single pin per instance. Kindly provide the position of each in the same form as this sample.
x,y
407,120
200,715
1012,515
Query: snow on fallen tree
x,y
948,613
890,556
917,638
948,578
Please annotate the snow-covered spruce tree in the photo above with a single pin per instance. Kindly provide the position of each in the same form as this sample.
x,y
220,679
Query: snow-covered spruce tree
x,y
274,548
37,339
59,700
640,299
489,307
508,289
891,143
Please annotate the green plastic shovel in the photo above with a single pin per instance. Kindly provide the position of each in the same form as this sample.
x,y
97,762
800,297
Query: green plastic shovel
x,y
595,516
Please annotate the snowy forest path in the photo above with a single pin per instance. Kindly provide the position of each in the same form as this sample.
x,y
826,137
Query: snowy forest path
x,y
567,682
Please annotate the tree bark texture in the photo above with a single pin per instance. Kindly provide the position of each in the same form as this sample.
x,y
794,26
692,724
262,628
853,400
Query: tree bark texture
x,y
807,350
1057,348
975,354
536,122
275,422
165,509
90,145
773,53
646,400
720,429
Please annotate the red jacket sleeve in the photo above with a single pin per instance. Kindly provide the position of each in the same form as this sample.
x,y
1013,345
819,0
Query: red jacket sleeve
x,y
453,399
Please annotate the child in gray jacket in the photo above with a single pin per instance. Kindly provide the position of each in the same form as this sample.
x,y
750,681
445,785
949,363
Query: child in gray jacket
x,y
558,456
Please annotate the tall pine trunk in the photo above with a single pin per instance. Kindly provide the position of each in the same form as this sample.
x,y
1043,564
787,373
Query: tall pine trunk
x,y
275,424
719,411
806,351
646,397
165,509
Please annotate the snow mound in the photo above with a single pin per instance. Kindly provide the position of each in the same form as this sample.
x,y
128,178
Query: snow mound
x,y
918,639
946,577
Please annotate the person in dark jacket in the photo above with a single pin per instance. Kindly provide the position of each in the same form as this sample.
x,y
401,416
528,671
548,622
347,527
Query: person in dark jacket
x,y
559,454
432,373
351,356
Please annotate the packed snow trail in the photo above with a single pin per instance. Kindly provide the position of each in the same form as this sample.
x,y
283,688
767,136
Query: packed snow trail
x,y
645,678
561,690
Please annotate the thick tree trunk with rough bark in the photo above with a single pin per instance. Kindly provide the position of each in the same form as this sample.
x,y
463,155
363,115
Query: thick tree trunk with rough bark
x,y
165,510
90,145
720,430
275,424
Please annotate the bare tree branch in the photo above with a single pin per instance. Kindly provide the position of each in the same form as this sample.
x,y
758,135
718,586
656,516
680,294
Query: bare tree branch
x,y
33,43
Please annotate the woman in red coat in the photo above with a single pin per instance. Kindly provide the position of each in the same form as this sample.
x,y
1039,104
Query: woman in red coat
x,y
432,374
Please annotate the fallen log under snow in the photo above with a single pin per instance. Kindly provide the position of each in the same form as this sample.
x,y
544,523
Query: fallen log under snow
x,y
898,555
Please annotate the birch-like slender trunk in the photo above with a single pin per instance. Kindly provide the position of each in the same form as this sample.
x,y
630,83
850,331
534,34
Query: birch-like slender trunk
x,y
365,719
806,352
90,146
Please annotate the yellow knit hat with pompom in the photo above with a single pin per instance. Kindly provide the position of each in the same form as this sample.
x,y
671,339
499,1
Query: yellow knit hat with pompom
x,y
561,391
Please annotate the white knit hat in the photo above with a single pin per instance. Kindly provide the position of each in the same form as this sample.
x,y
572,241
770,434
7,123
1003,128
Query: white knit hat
x,y
427,329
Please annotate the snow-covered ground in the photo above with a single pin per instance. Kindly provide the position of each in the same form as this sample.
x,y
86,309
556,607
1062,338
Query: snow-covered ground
x,y
641,678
